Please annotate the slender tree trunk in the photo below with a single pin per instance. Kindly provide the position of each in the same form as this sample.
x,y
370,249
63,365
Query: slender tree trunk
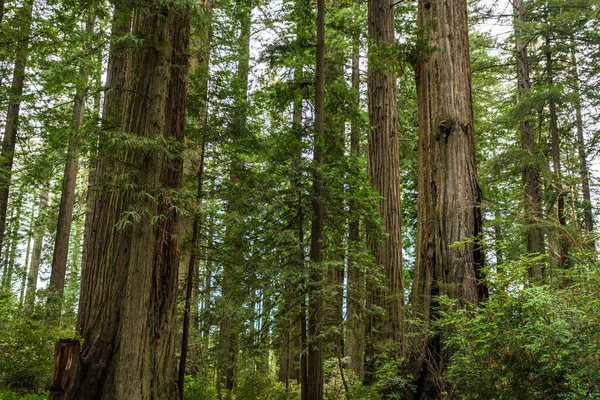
x,y
11,129
384,170
314,387
36,257
27,257
230,328
531,170
127,307
449,214
356,286
67,199
15,221
588,218
562,244
192,272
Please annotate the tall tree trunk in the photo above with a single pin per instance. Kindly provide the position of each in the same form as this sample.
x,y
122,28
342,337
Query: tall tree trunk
x,y
67,199
384,170
12,249
230,328
356,285
36,256
25,271
562,243
314,387
588,218
531,170
191,292
11,129
100,177
448,208
127,307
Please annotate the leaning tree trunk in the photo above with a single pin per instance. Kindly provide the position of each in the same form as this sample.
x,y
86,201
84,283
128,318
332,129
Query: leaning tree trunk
x,y
384,170
128,298
67,199
531,171
449,258
11,129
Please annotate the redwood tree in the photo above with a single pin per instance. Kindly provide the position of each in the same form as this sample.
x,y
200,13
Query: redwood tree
x,y
449,260
127,305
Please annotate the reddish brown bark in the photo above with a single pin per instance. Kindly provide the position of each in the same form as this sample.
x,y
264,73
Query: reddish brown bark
x,y
449,259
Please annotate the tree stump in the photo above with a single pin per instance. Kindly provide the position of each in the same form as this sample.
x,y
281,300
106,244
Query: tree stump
x,y
64,369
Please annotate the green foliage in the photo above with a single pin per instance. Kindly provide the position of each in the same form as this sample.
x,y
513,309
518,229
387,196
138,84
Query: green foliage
x,y
199,387
27,350
535,342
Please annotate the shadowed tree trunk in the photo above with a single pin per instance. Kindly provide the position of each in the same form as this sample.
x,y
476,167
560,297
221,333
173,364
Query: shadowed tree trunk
x,y
448,261
128,297
230,327
531,171
561,242
356,286
314,384
67,199
384,170
11,130
191,291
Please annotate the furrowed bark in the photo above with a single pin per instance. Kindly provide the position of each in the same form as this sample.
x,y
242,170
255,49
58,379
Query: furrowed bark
x,y
384,169
449,258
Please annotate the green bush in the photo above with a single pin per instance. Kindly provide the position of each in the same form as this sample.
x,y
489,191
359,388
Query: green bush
x,y
199,387
536,342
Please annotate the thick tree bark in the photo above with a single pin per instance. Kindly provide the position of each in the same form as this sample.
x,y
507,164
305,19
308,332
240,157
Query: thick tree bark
x,y
588,218
531,171
100,177
384,170
448,261
127,317
67,199
314,384
36,256
11,130
356,285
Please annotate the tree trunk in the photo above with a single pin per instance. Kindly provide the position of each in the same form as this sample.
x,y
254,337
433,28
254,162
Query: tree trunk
x,y
67,199
127,307
356,286
230,328
531,170
9,141
12,245
25,271
384,170
562,241
36,257
314,387
448,261
588,218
